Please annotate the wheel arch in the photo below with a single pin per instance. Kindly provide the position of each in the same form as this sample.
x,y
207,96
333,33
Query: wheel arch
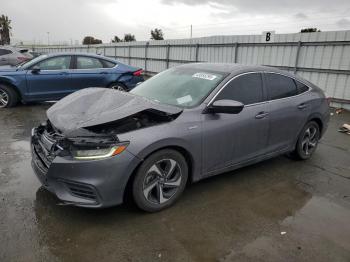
x,y
9,83
182,150
318,119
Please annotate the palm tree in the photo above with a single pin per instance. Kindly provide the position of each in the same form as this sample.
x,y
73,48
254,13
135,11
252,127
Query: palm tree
x,y
5,30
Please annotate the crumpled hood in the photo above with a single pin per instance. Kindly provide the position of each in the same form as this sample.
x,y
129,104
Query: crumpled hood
x,y
95,106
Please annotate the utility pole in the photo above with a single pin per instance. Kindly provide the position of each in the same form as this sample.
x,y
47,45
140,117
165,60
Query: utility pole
x,y
191,31
1,43
48,38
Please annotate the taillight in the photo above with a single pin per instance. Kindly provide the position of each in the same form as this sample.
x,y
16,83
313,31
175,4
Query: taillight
x,y
138,72
22,58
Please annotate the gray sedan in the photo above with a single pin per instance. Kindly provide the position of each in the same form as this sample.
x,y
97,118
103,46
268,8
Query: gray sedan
x,y
182,125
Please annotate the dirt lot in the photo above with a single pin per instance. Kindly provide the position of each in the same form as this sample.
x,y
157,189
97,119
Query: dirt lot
x,y
278,210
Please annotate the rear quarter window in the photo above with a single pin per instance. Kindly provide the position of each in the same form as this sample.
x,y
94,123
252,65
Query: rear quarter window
x,y
301,88
108,64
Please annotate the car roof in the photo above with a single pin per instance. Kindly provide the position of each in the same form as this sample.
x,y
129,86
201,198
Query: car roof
x,y
11,48
231,68
79,53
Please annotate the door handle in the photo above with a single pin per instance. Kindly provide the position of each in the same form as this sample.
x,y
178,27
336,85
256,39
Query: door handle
x,y
261,115
103,73
63,73
302,106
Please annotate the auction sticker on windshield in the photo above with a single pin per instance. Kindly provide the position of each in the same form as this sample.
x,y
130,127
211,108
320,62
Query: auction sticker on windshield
x,y
184,99
205,76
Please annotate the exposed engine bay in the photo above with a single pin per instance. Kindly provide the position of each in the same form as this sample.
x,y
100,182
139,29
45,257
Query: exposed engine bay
x,y
94,107
91,119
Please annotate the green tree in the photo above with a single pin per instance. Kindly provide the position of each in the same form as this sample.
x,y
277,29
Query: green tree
x,y
116,39
5,30
157,34
309,30
90,40
129,38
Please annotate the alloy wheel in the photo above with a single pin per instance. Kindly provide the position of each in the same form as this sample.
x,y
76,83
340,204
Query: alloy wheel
x,y
309,140
118,87
4,98
162,181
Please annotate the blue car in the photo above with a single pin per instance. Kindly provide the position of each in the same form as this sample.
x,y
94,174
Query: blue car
x,y
51,77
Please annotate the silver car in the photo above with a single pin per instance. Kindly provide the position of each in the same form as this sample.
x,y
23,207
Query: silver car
x,y
13,56
182,125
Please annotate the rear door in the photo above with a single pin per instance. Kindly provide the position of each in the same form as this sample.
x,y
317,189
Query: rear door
x,y
89,72
288,111
52,81
4,55
229,139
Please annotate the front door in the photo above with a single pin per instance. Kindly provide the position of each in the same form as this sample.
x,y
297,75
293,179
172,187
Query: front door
x,y
50,79
230,139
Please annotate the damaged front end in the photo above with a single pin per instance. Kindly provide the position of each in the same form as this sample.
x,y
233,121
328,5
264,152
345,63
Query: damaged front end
x,y
48,143
89,143
85,125
73,151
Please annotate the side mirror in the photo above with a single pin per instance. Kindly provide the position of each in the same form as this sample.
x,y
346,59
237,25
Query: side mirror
x,y
225,106
35,70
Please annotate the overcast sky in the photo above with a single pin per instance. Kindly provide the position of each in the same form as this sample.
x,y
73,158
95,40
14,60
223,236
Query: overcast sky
x,y
68,20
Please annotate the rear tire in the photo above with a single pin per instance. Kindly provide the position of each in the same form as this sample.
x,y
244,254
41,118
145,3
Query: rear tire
x,y
307,141
160,180
118,86
8,96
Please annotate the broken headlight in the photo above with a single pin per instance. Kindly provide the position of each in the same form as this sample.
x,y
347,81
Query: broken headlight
x,y
98,153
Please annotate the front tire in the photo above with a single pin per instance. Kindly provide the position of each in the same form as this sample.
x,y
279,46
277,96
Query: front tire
x,y
307,141
160,180
8,96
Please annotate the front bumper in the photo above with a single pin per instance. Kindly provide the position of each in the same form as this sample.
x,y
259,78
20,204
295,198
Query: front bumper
x,y
92,183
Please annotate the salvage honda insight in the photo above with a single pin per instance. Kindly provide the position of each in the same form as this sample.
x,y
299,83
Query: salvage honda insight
x,y
182,125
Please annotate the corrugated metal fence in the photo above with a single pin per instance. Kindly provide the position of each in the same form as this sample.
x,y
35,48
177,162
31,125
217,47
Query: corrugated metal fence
x,y
322,58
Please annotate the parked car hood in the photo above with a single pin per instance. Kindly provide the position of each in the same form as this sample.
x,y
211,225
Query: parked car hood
x,y
96,106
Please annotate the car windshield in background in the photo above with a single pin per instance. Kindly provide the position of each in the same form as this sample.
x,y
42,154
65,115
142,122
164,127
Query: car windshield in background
x,y
179,87
29,63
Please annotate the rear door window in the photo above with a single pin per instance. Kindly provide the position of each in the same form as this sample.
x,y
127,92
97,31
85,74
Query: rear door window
x,y
280,86
246,89
84,62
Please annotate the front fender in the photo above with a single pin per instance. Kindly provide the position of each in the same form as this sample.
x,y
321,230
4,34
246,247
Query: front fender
x,y
168,142
15,83
192,157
